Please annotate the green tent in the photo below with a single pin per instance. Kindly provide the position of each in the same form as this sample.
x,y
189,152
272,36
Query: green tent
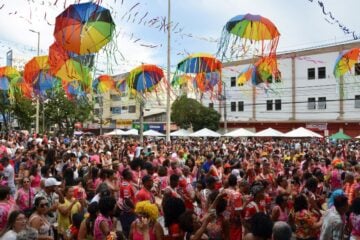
x,y
340,136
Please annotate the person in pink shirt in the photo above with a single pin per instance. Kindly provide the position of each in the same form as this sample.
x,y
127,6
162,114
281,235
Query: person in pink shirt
x,y
5,206
103,224
25,195
145,193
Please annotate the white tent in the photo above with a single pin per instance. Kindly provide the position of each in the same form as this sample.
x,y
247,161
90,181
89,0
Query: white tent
x,y
116,132
241,132
131,132
301,133
358,137
269,132
205,133
153,133
180,133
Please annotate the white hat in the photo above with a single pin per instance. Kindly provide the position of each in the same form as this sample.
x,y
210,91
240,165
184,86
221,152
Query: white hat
x,y
49,182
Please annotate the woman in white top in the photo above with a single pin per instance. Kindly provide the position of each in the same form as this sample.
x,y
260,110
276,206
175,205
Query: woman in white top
x,y
39,221
16,223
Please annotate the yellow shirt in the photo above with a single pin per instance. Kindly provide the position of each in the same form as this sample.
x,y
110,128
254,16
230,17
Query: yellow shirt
x,y
64,221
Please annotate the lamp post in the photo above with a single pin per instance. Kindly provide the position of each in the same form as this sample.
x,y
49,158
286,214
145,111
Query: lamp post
x,y
168,109
37,99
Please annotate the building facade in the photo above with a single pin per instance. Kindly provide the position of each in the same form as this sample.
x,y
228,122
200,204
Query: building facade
x,y
307,94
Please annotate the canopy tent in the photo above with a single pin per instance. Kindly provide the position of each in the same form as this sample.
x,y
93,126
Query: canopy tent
x,y
241,132
340,136
180,133
269,132
358,137
153,133
116,132
301,133
205,133
131,132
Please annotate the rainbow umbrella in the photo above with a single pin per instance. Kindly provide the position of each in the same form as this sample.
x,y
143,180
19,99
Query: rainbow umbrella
x,y
73,90
120,85
58,56
84,28
72,71
248,28
207,81
267,67
37,73
144,78
7,74
199,63
103,84
345,61
19,86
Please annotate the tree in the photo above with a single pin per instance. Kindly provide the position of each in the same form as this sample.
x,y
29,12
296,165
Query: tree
x,y
187,112
4,108
24,111
64,113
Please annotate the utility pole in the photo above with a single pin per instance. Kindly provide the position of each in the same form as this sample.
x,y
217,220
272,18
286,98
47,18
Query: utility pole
x,y
225,112
37,99
168,109
141,121
101,113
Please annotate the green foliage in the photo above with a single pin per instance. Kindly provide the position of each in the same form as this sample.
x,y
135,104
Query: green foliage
x,y
4,108
24,111
64,113
187,112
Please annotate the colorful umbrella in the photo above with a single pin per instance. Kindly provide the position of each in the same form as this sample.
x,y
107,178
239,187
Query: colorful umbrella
x,y
84,28
73,90
58,56
345,61
72,70
249,28
19,86
199,63
37,73
7,74
207,81
144,77
120,85
103,84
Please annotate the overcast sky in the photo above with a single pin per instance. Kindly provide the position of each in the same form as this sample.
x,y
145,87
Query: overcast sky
x,y
197,25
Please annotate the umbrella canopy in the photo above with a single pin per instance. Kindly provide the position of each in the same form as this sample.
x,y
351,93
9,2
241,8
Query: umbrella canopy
x,y
180,133
144,77
345,61
205,133
153,133
116,132
269,132
340,136
199,63
37,73
248,28
7,74
301,133
84,28
103,84
132,132
241,132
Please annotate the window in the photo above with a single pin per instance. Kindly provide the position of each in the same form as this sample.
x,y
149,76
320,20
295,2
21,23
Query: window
x,y
233,106
311,103
115,110
322,103
269,105
277,104
311,73
357,101
211,105
132,109
241,106
322,72
233,81
269,79
96,111
98,100
357,68
115,97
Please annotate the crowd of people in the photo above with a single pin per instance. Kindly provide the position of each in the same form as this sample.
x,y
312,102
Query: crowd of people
x,y
97,187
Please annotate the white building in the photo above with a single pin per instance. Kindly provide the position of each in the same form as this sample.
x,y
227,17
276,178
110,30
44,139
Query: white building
x,y
308,95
